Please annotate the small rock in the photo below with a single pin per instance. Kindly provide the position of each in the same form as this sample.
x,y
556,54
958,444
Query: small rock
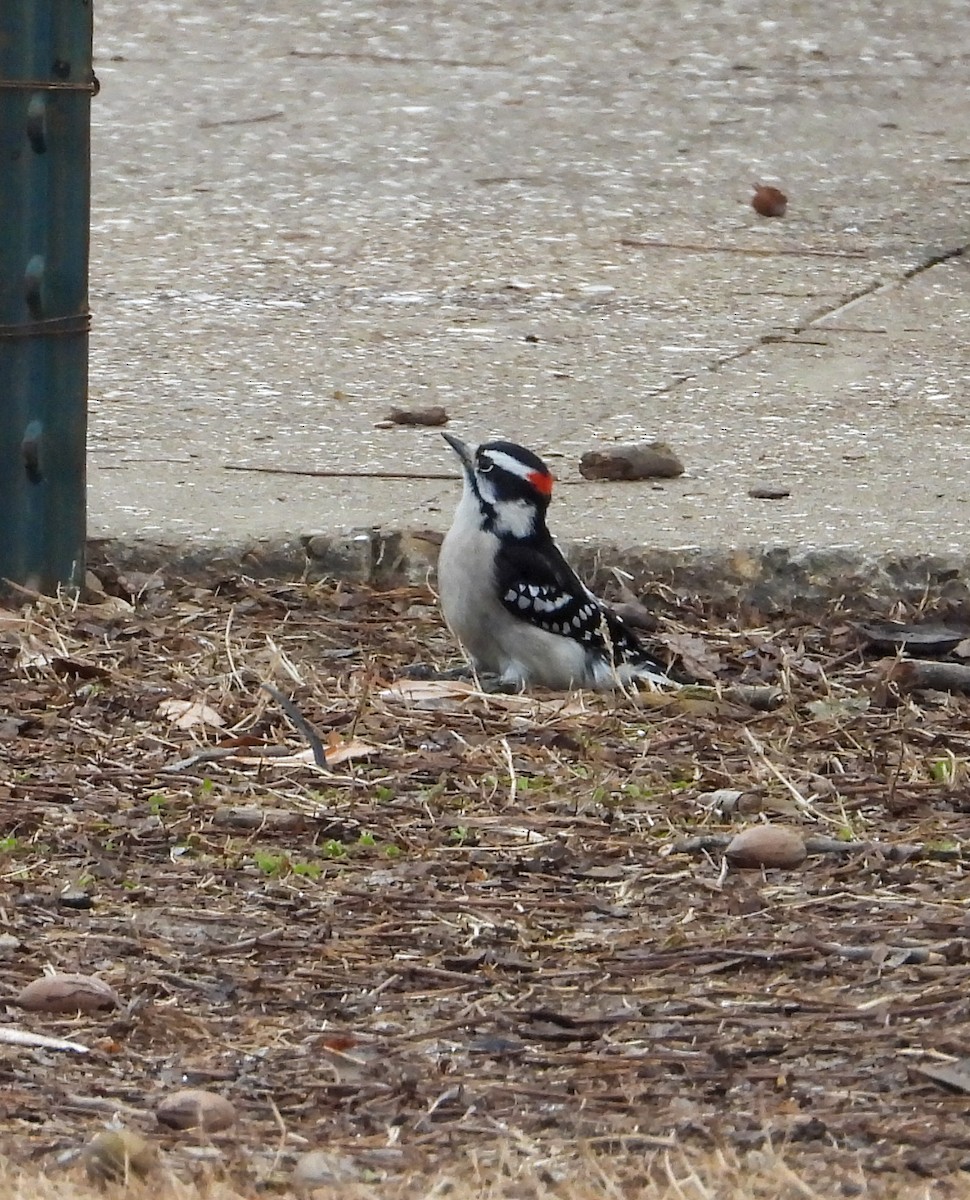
x,y
640,460
195,1108
766,846
320,1168
75,898
117,1154
769,492
768,201
93,587
67,994
136,583
433,416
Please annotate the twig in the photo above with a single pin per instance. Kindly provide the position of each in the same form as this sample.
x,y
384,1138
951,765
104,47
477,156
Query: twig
x,y
439,973
759,251
759,751
914,673
450,477
203,756
343,474
269,116
23,1037
513,781
891,851
300,723
900,956
233,673
632,1141
270,938
396,59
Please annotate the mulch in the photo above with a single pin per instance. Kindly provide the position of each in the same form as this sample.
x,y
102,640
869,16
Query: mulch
x,y
484,920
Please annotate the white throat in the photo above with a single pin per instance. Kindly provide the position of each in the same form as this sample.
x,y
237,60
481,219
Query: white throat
x,y
515,518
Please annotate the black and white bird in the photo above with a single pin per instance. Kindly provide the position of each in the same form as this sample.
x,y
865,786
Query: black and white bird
x,y
518,609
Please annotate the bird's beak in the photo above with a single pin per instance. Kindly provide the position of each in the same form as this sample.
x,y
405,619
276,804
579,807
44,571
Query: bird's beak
x,y
465,452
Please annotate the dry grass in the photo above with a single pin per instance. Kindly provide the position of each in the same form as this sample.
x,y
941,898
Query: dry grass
x,y
517,1174
492,946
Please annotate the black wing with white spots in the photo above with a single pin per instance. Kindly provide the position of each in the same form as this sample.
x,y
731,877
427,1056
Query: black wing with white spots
x,y
536,584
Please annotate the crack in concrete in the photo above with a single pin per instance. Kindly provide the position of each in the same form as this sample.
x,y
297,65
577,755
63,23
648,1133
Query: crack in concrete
x,y
927,264
768,339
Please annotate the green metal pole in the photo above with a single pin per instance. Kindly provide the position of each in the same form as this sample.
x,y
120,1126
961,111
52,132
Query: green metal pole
x,y
46,85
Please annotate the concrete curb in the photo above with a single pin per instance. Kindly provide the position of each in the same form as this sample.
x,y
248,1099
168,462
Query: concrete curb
x,y
773,580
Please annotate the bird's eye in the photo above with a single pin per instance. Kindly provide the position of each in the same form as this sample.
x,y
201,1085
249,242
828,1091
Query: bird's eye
x,y
484,466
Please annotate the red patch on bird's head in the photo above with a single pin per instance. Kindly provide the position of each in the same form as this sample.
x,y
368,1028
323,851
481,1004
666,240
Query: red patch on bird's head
x,y
541,481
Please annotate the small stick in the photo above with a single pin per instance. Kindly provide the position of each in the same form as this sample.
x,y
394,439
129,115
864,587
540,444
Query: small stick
x,y
513,780
233,673
915,673
891,851
759,750
759,251
300,723
419,475
341,474
26,1037
268,116
901,955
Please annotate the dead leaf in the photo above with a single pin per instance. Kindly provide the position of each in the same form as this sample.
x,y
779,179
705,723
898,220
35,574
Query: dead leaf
x,y
34,656
184,714
629,608
110,607
694,653
341,750
427,693
842,708
336,751
955,1075
454,694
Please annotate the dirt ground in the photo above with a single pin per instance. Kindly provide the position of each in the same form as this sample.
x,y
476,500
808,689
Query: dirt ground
x,y
490,928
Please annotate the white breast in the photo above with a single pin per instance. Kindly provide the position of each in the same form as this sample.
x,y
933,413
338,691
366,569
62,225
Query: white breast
x,y
494,639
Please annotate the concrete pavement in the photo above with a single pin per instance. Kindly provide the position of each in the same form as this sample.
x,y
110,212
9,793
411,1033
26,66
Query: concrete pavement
x,y
536,216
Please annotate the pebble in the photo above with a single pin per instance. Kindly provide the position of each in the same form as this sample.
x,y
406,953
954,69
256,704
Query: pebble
x,y
766,846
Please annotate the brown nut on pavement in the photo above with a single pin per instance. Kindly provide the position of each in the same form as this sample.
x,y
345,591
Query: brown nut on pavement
x,y
769,201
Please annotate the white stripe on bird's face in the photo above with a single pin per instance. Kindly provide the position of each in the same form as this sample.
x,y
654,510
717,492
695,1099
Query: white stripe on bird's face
x,y
513,518
507,462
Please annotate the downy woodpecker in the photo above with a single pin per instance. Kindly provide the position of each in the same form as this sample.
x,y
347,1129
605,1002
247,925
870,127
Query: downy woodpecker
x,y
516,606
